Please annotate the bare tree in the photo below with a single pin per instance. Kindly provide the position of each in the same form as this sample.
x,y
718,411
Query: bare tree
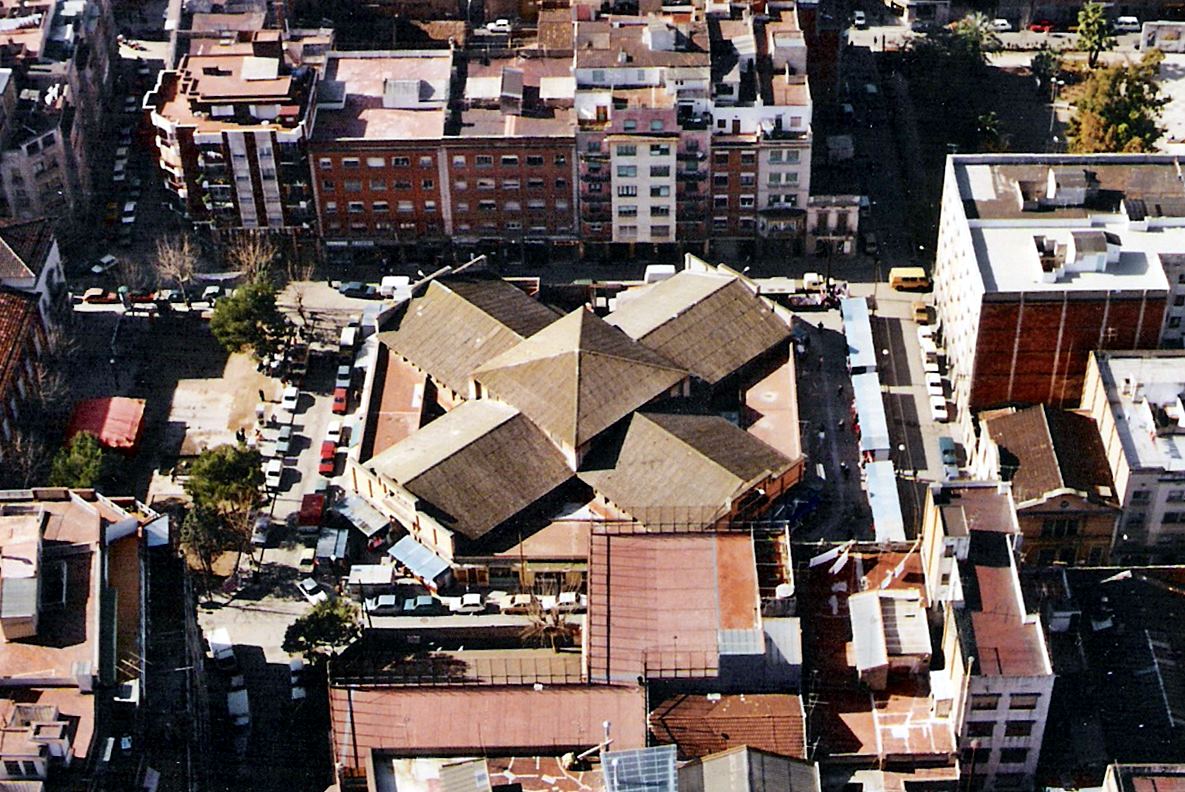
x,y
24,459
176,261
140,276
253,255
548,626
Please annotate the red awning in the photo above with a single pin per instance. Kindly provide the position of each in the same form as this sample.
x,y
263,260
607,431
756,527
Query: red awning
x,y
118,422
312,506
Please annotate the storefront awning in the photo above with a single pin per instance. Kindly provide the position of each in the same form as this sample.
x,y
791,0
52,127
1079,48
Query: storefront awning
x,y
421,561
332,542
365,517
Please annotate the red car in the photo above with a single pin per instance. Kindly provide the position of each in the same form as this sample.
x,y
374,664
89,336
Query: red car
x,y
1041,26
341,400
328,458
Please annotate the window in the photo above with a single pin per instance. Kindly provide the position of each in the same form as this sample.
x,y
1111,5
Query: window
x,y
483,161
381,207
976,755
1175,496
560,160
427,184
350,162
1141,496
1179,300
719,223
13,768
985,701
660,231
561,206
510,184
656,125
1014,755
627,230
980,728
328,186
406,206
594,147
426,162
357,226
512,206
748,179
462,206
660,171
627,191
795,121
458,160
535,161
775,179
1174,321
660,150
660,211
536,203
720,157
461,185
748,201
325,163
352,186
719,201
375,162
356,207
535,183
377,185
510,160
402,184
748,157
400,162
627,150
331,206
429,206
1059,528
627,210
561,184
485,184
1173,518
1023,728
627,171
629,125
720,180
514,225
486,206
660,191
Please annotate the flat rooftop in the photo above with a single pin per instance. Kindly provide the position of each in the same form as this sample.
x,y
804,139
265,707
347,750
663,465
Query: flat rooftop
x,y
1152,428
363,78
527,773
979,506
400,410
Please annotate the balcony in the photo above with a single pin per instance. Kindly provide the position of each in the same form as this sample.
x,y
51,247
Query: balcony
x,y
602,176
691,156
691,176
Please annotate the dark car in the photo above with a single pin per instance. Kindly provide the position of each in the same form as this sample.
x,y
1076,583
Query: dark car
x,y
358,289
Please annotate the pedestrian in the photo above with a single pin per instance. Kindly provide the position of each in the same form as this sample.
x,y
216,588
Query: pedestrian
x,y
261,396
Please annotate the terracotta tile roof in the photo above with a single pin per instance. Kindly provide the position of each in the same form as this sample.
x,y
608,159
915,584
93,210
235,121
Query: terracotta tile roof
x,y
686,469
459,323
24,247
18,312
476,466
703,725
708,323
484,721
1046,450
657,603
578,376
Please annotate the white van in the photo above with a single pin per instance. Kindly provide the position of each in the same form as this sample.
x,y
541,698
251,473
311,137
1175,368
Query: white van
x,y
1127,24
348,341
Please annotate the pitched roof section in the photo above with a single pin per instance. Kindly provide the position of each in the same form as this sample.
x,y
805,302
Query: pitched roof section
x,y
459,323
17,311
683,469
578,376
476,466
1050,450
710,324
702,725
24,247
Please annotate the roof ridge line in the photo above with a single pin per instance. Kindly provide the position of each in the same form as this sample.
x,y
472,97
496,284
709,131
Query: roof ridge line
x,y
515,412
1053,445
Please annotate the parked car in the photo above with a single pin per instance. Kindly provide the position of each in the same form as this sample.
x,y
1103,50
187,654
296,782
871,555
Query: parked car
x,y
921,312
859,20
946,449
341,401
421,604
142,297
382,605
99,296
283,441
499,26
1041,26
515,603
273,471
938,408
1127,24
870,245
222,650
263,527
328,459
311,590
105,264
333,432
468,603
308,561
1001,25
345,377
290,398
211,293
934,385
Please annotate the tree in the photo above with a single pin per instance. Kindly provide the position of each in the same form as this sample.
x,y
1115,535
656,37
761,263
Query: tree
x,y
975,32
991,136
80,463
252,254
225,481
206,535
24,458
176,261
1045,66
1119,109
547,626
1094,32
328,627
249,319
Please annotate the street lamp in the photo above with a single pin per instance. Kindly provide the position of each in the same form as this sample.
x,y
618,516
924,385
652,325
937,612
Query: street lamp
x,y
1055,87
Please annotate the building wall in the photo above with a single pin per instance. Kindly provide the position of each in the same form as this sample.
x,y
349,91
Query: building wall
x,y
386,191
1173,333
1067,528
644,194
1003,729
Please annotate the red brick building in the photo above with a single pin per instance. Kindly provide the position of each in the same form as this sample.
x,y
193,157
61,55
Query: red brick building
x,y
21,338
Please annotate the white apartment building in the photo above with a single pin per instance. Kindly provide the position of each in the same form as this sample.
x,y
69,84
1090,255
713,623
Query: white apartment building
x,y
1136,398
643,197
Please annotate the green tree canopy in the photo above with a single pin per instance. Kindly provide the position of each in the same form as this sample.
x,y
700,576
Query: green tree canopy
x,y
1045,65
1119,110
225,480
206,534
328,627
1094,32
249,319
974,32
80,463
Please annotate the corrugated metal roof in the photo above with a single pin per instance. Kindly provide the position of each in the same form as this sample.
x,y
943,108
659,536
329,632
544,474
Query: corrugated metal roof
x,y
362,515
857,329
421,561
885,502
578,376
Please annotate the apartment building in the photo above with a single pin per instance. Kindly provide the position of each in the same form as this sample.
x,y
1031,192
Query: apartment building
x,y
56,78
30,261
408,156
1136,400
232,125
1066,506
1043,259
996,664
21,340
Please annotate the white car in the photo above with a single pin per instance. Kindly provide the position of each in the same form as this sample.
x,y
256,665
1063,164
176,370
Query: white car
x,y
273,471
345,377
468,603
934,385
382,604
1001,25
859,20
938,408
311,590
211,293
289,398
105,264
333,432
499,26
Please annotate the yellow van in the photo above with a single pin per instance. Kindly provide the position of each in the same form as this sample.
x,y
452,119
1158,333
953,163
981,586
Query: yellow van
x,y
909,278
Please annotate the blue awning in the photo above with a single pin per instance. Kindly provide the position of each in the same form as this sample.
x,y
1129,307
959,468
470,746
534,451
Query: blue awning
x,y
365,517
421,561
